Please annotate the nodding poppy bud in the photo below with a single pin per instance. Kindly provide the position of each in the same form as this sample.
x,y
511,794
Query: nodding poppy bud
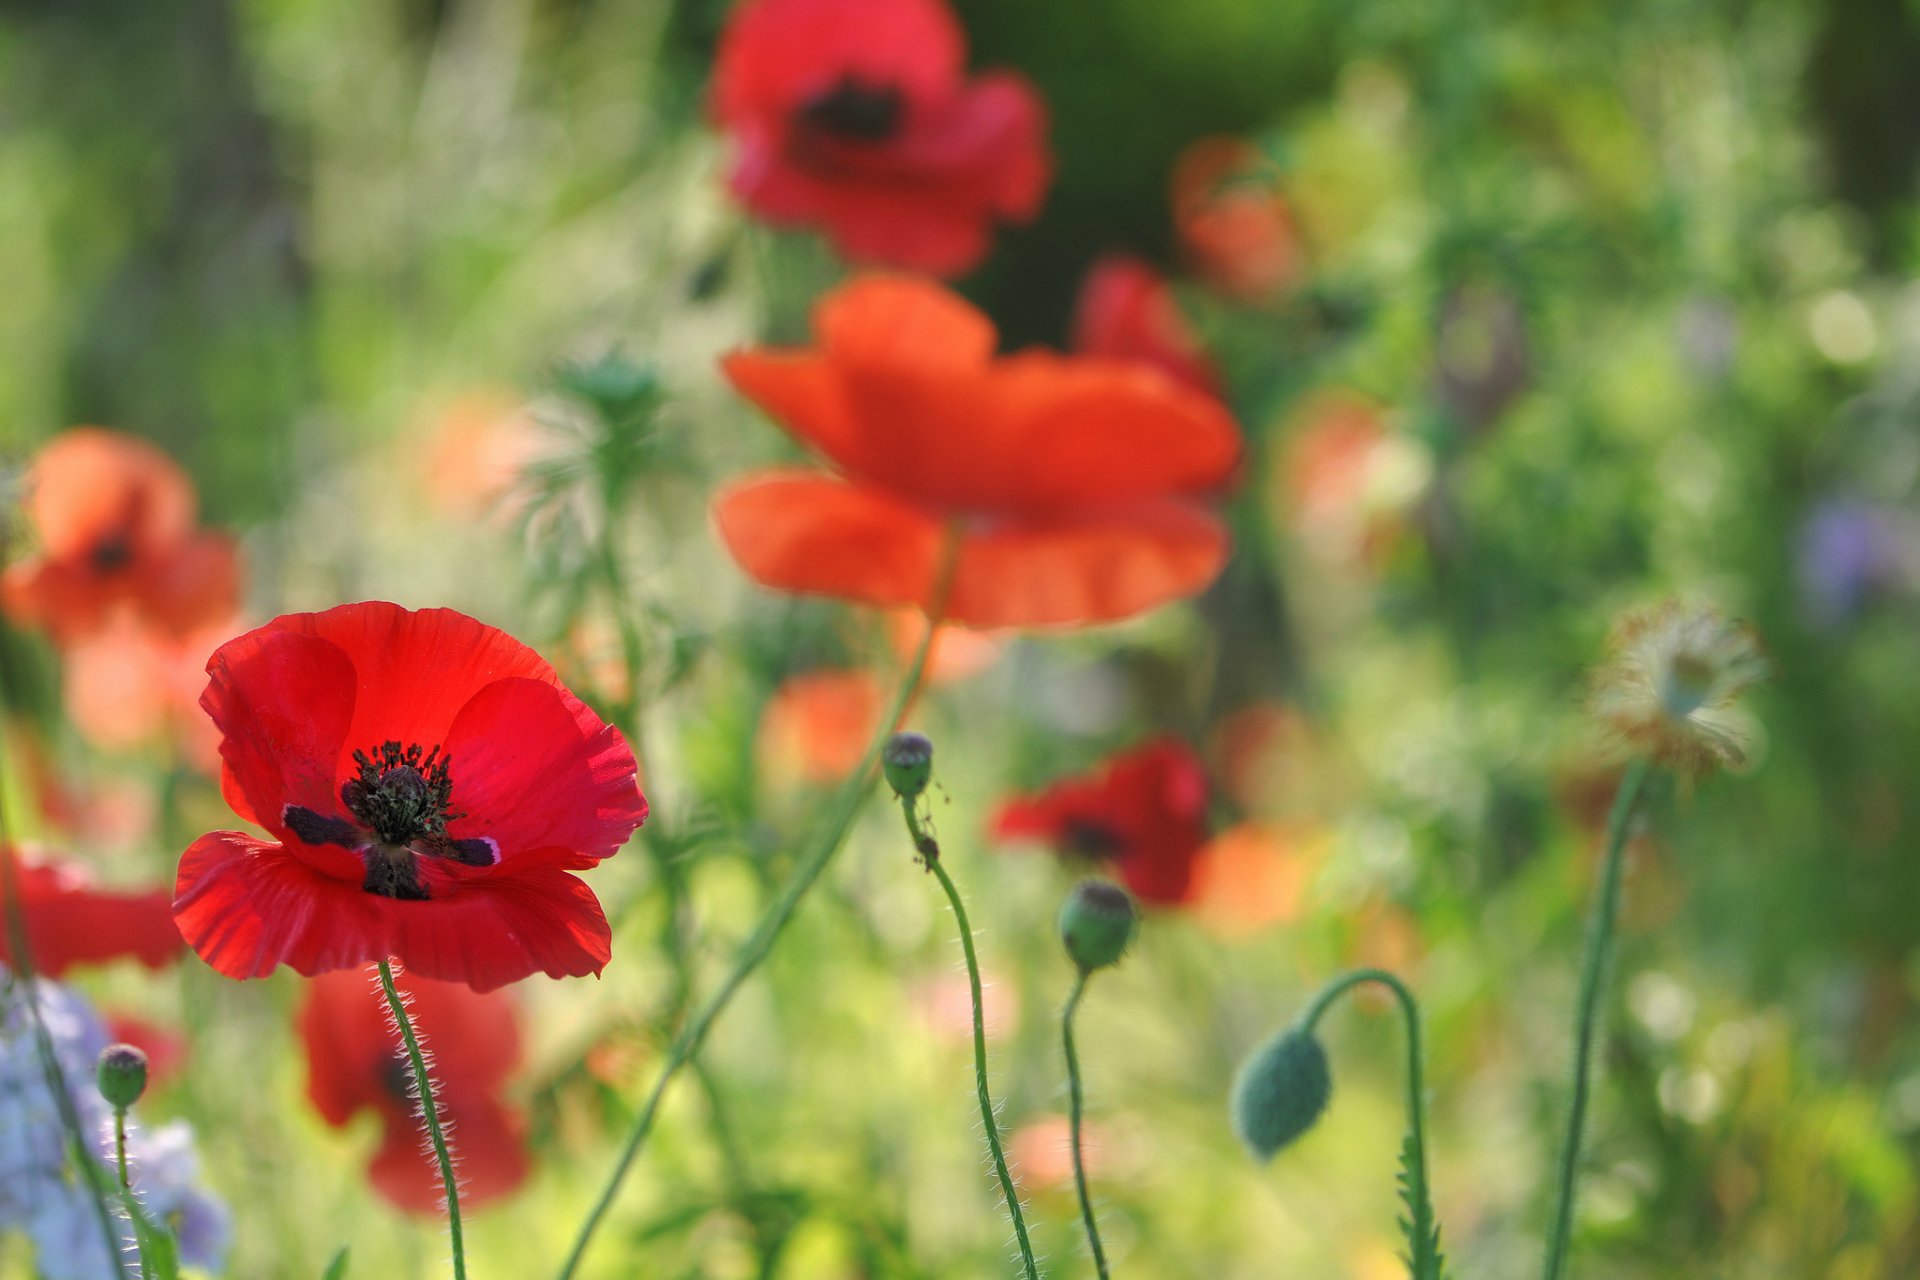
x,y
908,763
122,1074
1097,923
1281,1092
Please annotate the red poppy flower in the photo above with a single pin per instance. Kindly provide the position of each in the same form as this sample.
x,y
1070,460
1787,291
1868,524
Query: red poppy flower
x,y
357,1062
428,782
70,922
1127,311
115,517
1070,481
854,116
1144,812
1234,226
817,725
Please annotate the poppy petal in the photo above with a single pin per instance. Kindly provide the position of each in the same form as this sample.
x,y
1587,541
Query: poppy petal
x,y
248,905
90,484
776,54
283,702
804,531
534,768
415,669
1096,568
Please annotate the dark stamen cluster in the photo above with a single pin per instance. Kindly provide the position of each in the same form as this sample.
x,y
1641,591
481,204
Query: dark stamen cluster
x,y
404,794
856,111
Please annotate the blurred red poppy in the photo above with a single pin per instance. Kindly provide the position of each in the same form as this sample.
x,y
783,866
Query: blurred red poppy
x,y
127,685
1071,482
356,1062
429,784
854,116
1127,311
70,922
1234,226
115,518
1143,812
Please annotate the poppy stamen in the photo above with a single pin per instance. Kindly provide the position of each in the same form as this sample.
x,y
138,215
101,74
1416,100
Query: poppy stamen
x,y
855,110
403,794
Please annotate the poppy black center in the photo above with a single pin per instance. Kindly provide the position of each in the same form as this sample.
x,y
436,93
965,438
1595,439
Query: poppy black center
x,y
401,800
403,794
855,110
1091,838
111,554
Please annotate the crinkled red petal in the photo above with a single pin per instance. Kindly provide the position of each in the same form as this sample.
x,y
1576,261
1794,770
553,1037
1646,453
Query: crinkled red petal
x,y
536,769
247,906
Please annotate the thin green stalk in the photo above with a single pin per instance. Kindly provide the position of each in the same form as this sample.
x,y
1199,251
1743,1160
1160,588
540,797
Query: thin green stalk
x,y
1423,1257
1075,1105
759,944
1599,944
19,946
431,1109
987,1117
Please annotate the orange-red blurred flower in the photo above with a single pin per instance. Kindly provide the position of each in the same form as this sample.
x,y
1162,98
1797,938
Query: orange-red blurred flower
x,y
357,1062
128,684
70,922
1346,480
480,443
1041,1151
1235,228
1252,876
1144,813
817,725
956,652
1127,311
115,519
854,116
1070,482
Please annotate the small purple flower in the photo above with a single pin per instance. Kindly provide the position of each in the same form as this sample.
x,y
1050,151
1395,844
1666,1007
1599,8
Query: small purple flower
x,y
1848,550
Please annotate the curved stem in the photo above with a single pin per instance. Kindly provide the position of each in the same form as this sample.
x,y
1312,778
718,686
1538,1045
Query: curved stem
x,y
1075,1104
431,1110
1410,1013
987,1116
759,944
1599,943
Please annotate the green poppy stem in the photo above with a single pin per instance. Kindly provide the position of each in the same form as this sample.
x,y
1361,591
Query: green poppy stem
x,y
759,944
1075,1105
429,1108
1599,945
989,1120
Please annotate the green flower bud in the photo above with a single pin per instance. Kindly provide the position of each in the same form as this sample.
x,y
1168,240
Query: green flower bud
x,y
1281,1092
1097,923
908,763
122,1075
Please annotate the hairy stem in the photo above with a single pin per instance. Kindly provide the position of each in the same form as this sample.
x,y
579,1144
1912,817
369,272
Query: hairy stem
x,y
759,944
1075,1105
431,1110
1599,945
988,1119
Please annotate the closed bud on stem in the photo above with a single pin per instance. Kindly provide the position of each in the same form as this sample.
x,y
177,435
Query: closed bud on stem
x,y
1281,1092
1097,923
122,1075
908,763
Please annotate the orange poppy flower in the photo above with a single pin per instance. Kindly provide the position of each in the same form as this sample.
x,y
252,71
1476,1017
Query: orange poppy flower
x,y
817,725
1071,482
115,517
1234,226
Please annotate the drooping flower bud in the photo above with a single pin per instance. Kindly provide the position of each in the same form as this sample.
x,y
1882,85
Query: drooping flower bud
x,y
122,1075
1097,923
1281,1092
908,763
